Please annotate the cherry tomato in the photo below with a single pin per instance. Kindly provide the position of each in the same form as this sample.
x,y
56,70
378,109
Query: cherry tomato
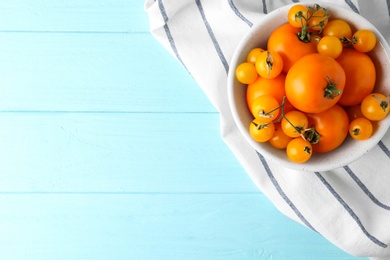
x,y
253,54
297,15
331,128
284,40
246,73
261,132
279,140
361,128
315,83
299,150
294,123
364,40
265,108
375,106
338,28
354,112
318,19
330,46
360,76
262,86
269,64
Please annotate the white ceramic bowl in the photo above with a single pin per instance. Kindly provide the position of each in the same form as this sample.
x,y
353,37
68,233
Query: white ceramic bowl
x,y
350,150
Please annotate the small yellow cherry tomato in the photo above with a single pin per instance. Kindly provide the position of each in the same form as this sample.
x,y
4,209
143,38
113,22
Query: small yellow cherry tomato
x,y
246,73
279,140
330,46
253,54
361,128
363,40
299,150
265,108
269,64
297,15
261,132
338,28
294,123
375,106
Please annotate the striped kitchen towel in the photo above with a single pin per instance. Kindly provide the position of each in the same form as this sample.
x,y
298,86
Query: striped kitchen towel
x,y
349,206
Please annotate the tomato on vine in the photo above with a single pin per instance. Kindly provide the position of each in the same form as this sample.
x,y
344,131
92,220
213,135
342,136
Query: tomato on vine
x,y
375,106
297,15
261,86
261,132
265,108
318,18
294,123
299,150
361,128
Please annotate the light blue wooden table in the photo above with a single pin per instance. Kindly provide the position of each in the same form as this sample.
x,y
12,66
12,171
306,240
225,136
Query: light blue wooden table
x,y
109,149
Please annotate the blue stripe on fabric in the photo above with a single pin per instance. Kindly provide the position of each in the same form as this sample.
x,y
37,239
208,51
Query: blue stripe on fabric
x,y
352,6
235,10
212,36
350,211
282,194
365,189
295,1
168,32
388,6
265,7
384,148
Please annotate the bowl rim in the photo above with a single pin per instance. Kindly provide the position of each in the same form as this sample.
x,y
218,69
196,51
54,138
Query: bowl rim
x,y
244,130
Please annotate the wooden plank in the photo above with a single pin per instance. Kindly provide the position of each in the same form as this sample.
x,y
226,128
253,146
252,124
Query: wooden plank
x,y
159,226
117,152
73,16
94,72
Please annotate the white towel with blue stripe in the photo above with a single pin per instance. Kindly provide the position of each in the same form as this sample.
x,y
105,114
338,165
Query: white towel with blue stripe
x,y
349,206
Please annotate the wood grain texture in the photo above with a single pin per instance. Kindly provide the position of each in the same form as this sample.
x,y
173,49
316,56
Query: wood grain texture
x,y
110,150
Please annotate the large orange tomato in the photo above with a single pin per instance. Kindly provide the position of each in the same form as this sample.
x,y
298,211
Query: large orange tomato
x,y
331,129
285,41
360,76
261,86
315,83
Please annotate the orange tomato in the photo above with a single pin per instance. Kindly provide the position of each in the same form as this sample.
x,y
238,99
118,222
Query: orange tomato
x,y
265,108
360,76
315,83
261,86
331,126
338,28
361,128
297,15
269,64
375,106
318,19
299,150
354,112
284,40
279,140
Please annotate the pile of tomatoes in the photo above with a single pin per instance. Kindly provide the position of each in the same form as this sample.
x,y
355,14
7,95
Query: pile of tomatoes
x,y
312,85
